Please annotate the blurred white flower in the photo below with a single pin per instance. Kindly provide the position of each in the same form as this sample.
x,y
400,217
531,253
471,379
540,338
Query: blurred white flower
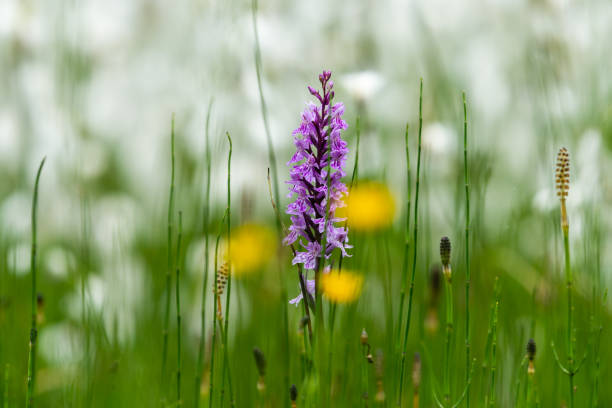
x,y
9,137
93,158
438,138
114,221
18,258
15,214
362,85
117,294
59,261
545,199
60,344
587,182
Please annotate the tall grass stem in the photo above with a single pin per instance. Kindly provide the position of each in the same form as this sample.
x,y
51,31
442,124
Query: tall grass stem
x,y
169,260
206,221
467,250
33,330
414,249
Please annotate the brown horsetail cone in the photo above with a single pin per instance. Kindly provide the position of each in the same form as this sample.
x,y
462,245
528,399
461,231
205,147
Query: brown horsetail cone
x,y
562,179
364,337
260,361
293,393
222,275
562,174
531,352
445,252
531,349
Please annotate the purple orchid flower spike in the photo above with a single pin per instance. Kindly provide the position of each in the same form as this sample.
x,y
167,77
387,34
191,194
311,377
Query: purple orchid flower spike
x,y
319,146
310,287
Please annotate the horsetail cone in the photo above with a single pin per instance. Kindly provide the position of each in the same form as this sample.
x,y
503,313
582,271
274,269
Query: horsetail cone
x,y
531,349
260,362
293,393
445,251
531,352
562,178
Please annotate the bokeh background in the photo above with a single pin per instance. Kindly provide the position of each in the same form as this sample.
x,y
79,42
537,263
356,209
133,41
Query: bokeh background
x,y
92,85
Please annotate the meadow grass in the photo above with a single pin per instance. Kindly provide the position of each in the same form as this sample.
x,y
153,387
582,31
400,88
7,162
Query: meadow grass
x,y
256,344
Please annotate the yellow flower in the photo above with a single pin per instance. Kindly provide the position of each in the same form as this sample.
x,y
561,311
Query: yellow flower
x,y
341,287
369,206
251,247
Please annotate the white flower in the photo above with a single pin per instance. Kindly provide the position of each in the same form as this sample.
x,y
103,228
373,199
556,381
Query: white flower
x,y
362,85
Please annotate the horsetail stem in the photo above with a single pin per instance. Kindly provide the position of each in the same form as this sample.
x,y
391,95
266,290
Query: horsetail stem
x,y
178,308
445,252
467,249
6,386
494,346
33,330
531,352
406,241
200,363
216,311
414,249
169,266
229,280
562,179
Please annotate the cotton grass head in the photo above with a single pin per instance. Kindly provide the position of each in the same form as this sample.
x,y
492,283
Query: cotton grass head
x,y
370,206
341,287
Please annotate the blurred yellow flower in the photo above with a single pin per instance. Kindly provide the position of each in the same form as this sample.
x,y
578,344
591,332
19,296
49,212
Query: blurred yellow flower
x,y
341,287
251,247
369,206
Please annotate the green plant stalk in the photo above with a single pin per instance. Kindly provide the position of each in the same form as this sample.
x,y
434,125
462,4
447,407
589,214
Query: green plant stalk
x,y
178,308
169,266
364,376
489,342
517,388
570,340
229,268
530,390
406,243
272,159
6,386
448,288
85,267
493,355
200,363
414,249
487,351
33,330
226,363
597,371
467,251
214,319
